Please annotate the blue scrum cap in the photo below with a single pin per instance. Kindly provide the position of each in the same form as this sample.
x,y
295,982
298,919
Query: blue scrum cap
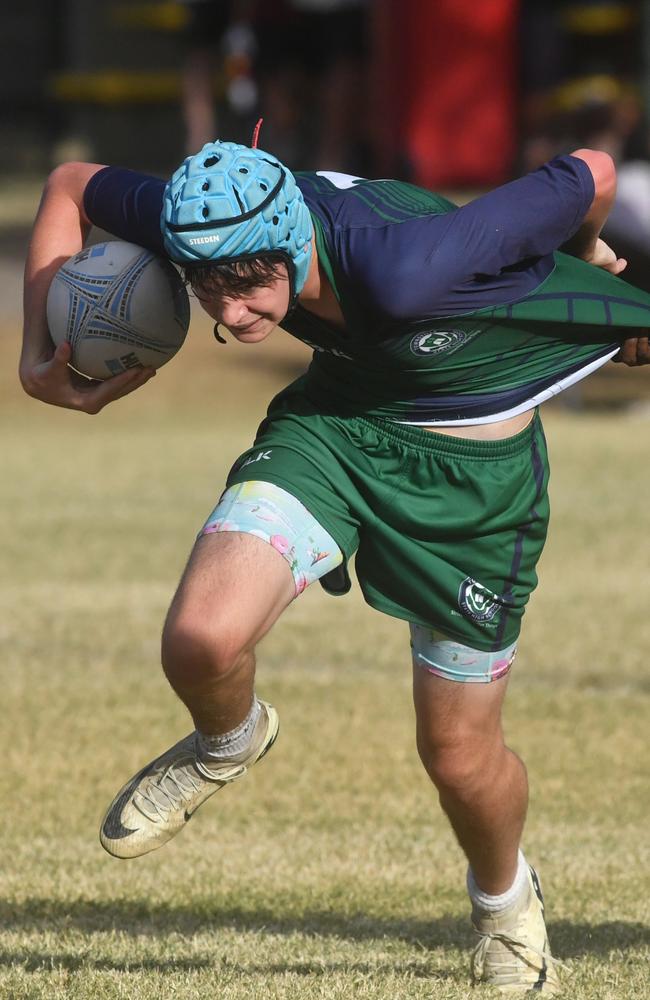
x,y
230,203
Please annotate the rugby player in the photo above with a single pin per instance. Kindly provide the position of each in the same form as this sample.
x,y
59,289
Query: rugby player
x,y
413,440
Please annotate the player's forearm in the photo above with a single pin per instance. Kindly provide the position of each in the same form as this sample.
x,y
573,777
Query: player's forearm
x,y
583,243
59,231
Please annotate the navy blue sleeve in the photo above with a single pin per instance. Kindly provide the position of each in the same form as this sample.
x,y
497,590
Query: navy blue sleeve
x,y
126,204
529,217
475,255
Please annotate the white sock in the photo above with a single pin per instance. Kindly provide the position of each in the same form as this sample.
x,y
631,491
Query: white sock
x,y
230,744
492,904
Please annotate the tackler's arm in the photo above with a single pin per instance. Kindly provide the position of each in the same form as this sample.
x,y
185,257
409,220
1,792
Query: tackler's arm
x,y
586,243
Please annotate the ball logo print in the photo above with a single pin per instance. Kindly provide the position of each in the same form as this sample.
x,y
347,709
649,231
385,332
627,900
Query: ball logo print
x,y
119,306
476,601
437,341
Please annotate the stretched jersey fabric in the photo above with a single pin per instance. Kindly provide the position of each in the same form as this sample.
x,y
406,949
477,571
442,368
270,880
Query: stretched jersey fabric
x,y
452,315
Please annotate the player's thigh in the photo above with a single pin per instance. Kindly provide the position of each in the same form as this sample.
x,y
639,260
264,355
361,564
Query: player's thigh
x,y
234,584
458,733
258,550
455,716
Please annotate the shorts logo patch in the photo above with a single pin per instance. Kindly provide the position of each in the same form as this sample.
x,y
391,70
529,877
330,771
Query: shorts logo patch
x,y
438,341
476,601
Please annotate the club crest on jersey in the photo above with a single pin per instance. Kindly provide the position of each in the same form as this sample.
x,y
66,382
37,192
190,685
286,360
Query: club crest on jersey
x,y
476,601
436,341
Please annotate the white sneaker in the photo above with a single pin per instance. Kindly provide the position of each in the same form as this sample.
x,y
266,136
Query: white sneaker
x,y
157,803
513,953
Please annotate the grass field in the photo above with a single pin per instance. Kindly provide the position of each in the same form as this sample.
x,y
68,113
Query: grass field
x,y
329,872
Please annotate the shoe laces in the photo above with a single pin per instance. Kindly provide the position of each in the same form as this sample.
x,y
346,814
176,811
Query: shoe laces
x,y
178,784
167,792
518,949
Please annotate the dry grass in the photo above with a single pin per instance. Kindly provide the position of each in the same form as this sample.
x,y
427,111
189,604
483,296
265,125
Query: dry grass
x,y
328,873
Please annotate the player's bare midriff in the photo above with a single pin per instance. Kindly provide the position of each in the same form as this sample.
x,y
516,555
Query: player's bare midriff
x,y
488,432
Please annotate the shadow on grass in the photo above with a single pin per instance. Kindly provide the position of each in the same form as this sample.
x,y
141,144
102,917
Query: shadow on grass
x,y
572,940
139,917
40,961
365,968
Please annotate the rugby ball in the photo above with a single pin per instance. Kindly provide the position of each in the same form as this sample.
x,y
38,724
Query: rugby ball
x,y
119,306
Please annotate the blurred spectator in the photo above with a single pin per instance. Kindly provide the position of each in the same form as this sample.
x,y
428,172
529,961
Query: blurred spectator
x,y
543,62
299,63
312,73
221,49
580,67
334,49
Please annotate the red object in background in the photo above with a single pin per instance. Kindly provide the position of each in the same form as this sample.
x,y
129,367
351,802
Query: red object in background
x,y
445,90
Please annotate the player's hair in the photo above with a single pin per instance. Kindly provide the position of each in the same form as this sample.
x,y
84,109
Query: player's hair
x,y
238,277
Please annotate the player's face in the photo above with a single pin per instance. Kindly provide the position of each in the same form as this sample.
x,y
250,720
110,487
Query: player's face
x,y
252,316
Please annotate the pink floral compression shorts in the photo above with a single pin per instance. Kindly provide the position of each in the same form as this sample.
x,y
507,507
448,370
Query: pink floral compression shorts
x,y
274,515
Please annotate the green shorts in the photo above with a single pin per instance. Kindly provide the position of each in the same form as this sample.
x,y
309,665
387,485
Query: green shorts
x,y
447,531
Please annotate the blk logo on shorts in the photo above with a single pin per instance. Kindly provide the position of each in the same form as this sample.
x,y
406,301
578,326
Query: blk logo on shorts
x,y
261,456
476,601
438,341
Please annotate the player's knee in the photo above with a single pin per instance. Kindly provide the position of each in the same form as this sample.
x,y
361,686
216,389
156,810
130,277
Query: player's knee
x,y
459,765
195,644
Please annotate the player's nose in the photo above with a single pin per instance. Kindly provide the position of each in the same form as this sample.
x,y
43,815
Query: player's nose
x,y
233,312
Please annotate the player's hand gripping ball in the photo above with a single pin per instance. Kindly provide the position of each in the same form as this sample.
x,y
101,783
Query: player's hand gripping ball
x,y
119,306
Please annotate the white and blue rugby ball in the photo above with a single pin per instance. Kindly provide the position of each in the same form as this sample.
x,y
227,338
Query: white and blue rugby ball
x,y
119,306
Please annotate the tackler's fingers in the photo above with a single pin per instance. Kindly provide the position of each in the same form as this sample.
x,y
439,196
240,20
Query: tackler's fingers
x,y
643,351
627,353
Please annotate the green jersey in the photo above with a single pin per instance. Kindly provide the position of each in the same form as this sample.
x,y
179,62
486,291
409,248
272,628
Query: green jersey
x,y
458,315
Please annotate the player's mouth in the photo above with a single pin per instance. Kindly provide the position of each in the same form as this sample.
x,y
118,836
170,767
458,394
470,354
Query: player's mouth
x,y
258,329
249,328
